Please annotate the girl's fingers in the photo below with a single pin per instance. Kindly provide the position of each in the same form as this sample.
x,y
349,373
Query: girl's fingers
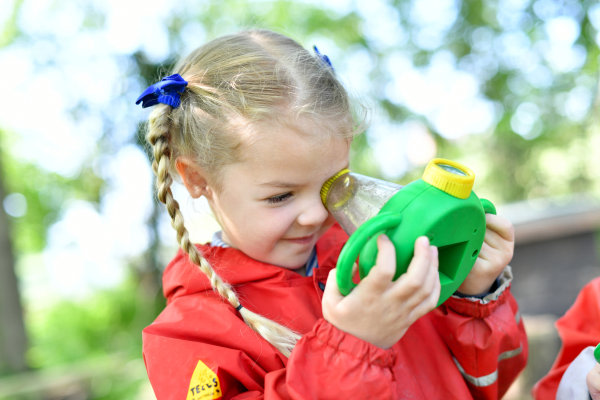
x,y
484,253
414,286
501,226
423,259
420,281
381,275
496,250
434,273
431,270
378,309
331,294
496,242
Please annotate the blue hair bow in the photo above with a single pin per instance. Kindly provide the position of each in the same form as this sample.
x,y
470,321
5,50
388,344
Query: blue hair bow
x,y
168,91
323,57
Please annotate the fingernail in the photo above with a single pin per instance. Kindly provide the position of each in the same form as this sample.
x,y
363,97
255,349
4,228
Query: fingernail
x,y
383,237
434,250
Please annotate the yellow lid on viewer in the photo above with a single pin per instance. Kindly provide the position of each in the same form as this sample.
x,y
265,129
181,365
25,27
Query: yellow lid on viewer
x,y
449,176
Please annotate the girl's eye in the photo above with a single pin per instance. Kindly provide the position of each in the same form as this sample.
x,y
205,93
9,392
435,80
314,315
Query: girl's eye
x,y
279,198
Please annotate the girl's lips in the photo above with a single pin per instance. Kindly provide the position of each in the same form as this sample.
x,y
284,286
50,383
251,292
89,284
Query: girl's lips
x,y
301,240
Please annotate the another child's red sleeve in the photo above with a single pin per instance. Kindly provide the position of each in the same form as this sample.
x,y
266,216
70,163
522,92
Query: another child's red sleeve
x,y
578,329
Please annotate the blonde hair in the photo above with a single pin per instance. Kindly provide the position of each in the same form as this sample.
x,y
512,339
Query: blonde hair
x,y
233,82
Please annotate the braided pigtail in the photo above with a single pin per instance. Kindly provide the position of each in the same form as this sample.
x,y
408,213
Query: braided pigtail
x,y
278,335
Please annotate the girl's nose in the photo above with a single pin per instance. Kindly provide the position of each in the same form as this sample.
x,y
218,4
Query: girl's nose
x,y
314,213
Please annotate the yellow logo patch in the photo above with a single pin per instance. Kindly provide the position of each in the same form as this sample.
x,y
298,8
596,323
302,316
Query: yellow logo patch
x,y
204,384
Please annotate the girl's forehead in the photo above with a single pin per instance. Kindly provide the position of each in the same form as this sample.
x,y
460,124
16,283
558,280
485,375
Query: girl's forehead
x,y
289,142
284,130
297,151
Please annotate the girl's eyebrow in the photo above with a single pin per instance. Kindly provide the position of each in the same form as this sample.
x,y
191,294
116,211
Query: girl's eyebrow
x,y
279,184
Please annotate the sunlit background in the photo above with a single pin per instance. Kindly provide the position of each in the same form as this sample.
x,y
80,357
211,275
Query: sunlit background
x,y
508,87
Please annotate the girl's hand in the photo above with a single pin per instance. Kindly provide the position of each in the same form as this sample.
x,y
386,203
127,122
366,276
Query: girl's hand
x,y
496,252
593,382
380,310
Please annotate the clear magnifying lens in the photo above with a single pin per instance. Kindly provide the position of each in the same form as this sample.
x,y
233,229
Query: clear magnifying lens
x,y
452,169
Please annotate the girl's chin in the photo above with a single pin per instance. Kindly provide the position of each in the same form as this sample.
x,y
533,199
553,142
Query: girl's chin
x,y
290,266
296,264
291,262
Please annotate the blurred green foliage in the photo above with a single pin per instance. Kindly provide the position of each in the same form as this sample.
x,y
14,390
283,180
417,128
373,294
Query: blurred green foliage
x,y
94,326
46,192
9,31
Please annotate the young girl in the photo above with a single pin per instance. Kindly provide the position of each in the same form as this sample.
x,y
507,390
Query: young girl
x,y
256,124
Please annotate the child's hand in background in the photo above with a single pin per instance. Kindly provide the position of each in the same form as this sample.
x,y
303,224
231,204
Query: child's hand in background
x,y
380,310
496,252
593,382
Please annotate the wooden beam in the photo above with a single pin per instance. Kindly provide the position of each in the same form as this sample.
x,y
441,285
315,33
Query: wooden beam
x,y
546,219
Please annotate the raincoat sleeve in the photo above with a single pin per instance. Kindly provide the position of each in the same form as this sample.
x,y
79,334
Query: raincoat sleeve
x,y
486,337
578,328
196,362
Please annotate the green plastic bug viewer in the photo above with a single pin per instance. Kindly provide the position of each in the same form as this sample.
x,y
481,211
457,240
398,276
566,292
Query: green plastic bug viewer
x,y
441,205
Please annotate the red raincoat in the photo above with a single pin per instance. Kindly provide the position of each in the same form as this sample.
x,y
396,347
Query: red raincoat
x,y
199,347
578,329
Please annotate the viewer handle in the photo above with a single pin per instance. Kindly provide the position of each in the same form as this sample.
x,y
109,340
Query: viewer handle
x,y
488,206
355,243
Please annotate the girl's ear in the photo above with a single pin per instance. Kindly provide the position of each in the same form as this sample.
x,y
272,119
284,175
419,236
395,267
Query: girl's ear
x,y
193,176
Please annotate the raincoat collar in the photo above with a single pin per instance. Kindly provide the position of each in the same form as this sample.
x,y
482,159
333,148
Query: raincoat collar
x,y
182,277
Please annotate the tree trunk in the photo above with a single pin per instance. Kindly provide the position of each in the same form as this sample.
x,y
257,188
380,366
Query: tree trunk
x,y
13,340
